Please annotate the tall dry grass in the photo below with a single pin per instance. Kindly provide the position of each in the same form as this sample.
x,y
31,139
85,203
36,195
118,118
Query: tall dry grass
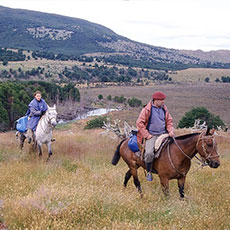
x,y
80,189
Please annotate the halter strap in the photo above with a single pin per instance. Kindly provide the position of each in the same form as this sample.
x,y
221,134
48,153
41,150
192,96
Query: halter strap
x,y
202,138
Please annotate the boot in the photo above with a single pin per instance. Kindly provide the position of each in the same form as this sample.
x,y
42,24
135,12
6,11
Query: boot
x,y
149,173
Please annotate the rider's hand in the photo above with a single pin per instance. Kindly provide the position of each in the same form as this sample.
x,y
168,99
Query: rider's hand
x,y
149,137
171,134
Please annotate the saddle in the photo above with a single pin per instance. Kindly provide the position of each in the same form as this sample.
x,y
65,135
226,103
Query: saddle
x,y
161,141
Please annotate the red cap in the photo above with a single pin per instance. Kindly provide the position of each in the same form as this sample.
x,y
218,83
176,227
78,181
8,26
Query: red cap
x,y
158,95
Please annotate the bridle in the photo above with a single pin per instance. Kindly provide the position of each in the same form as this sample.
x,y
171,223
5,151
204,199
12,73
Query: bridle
x,y
48,120
202,162
207,156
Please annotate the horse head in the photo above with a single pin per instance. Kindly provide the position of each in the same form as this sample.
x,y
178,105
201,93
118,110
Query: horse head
x,y
207,148
51,114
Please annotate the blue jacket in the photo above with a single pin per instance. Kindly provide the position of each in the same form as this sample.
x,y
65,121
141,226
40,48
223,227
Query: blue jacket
x,y
35,111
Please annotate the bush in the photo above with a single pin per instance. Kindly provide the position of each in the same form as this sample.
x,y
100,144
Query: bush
x,y
204,115
100,97
120,99
109,97
134,102
95,123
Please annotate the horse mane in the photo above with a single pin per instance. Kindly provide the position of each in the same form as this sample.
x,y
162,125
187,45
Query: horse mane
x,y
182,137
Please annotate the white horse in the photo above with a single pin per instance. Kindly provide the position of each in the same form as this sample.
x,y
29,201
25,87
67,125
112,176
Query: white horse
x,y
43,133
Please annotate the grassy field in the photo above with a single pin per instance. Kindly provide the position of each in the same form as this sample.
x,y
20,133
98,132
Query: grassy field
x,y
199,74
80,189
181,98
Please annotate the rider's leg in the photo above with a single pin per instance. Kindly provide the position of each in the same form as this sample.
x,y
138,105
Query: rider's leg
x,y
149,156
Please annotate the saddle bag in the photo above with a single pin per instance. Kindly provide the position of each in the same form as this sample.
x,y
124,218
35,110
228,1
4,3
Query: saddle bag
x,y
21,124
132,143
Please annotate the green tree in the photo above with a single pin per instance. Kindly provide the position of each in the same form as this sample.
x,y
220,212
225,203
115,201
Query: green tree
x,y
5,62
100,97
204,115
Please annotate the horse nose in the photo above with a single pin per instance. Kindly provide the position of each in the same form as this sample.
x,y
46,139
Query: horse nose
x,y
54,123
215,164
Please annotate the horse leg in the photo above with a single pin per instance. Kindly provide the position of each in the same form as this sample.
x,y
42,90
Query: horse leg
x,y
181,182
127,177
136,181
39,150
165,185
49,149
22,139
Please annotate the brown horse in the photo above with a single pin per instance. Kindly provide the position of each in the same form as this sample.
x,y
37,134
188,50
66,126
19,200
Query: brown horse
x,y
174,161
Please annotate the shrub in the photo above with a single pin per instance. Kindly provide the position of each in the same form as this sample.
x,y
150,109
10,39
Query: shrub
x,y
109,97
95,123
204,115
120,99
134,102
100,97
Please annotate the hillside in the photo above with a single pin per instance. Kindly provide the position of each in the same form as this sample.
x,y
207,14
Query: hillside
x,y
32,30
212,56
72,37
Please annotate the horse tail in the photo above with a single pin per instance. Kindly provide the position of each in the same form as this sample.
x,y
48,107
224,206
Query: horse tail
x,y
116,156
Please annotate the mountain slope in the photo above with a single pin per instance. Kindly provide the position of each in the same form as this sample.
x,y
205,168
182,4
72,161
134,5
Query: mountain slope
x,y
213,56
43,32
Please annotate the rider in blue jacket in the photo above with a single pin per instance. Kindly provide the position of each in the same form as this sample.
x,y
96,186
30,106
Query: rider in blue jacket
x,y
37,107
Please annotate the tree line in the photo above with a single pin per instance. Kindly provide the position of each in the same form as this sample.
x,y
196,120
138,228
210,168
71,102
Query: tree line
x,y
15,97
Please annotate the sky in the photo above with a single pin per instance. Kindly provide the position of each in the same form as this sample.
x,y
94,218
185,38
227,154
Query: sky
x,y
177,24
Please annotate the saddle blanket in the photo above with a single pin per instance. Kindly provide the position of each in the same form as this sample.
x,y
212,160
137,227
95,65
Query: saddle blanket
x,y
159,144
159,141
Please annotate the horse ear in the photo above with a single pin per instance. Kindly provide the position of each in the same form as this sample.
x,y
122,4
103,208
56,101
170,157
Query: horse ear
x,y
48,106
55,106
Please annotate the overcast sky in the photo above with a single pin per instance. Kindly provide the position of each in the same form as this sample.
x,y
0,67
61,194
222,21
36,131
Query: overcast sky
x,y
178,24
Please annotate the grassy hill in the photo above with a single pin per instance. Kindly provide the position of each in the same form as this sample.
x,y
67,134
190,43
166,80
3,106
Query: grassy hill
x,y
55,35
80,189
32,30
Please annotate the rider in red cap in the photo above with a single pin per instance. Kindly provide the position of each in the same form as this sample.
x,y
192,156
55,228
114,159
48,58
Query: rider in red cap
x,y
153,121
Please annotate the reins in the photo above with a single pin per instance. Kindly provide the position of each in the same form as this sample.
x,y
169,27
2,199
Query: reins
x,y
200,162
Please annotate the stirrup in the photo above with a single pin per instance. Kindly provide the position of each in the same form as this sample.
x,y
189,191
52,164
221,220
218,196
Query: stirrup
x,y
149,176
